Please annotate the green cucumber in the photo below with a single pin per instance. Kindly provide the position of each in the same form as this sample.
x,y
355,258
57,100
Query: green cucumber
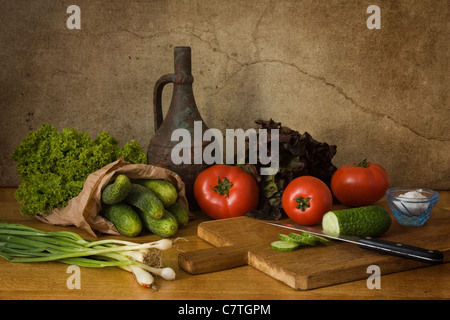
x,y
284,246
307,238
164,190
166,226
125,219
145,200
316,237
285,237
303,239
180,213
117,191
368,221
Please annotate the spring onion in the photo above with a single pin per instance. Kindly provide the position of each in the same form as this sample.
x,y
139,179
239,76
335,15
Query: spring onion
x,y
20,243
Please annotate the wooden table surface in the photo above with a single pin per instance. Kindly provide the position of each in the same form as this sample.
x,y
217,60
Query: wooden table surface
x,y
38,281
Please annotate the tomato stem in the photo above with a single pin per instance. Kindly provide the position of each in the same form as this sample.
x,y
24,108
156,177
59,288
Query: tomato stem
x,y
364,164
302,203
223,186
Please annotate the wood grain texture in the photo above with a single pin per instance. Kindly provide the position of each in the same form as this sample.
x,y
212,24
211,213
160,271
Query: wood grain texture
x,y
311,267
42,281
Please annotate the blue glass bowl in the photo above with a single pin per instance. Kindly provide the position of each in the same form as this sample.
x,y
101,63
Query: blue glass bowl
x,y
409,210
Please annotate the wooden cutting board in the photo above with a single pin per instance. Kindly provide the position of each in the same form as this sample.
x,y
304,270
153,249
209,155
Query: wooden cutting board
x,y
244,240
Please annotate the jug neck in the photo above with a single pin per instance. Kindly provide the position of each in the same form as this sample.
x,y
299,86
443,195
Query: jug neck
x,y
182,65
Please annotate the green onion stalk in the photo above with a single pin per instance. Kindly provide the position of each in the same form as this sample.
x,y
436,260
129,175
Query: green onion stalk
x,y
20,243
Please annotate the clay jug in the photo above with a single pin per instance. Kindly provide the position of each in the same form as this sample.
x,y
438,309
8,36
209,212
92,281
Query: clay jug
x,y
182,113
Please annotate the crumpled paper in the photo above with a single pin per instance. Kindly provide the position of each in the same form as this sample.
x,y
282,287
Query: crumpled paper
x,y
83,211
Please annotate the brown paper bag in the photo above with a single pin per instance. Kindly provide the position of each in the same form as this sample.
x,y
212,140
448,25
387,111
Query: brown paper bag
x,y
83,211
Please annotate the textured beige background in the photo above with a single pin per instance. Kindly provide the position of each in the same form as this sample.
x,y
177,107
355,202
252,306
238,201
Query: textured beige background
x,y
313,65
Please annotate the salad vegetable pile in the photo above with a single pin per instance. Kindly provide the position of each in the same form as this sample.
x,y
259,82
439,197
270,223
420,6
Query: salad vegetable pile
x,y
53,166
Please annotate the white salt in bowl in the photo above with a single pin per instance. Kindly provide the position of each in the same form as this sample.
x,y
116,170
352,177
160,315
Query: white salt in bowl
x,y
411,206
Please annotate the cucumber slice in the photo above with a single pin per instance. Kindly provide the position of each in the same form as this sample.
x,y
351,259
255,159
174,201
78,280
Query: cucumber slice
x,y
306,238
296,240
284,246
315,237
285,237
301,238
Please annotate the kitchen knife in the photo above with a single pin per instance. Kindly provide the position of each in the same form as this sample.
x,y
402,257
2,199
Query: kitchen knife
x,y
382,246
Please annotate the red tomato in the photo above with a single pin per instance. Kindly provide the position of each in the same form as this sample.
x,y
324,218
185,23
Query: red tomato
x,y
360,184
224,191
306,199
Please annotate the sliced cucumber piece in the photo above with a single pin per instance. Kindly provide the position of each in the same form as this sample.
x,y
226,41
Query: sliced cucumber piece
x,y
285,237
296,240
300,238
307,238
315,237
284,246
368,221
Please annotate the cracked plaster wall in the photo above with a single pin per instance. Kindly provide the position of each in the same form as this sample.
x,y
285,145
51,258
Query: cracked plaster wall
x,y
312,65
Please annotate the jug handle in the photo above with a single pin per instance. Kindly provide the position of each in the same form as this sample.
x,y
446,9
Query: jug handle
x,y
157,97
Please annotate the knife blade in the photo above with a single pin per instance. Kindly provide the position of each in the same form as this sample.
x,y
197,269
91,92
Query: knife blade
x,y
382,246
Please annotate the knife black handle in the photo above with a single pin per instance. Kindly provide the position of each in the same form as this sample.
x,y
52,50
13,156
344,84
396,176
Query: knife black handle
x,y
402,250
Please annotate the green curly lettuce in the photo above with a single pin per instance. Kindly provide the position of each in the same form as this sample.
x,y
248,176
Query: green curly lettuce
x,y
53,166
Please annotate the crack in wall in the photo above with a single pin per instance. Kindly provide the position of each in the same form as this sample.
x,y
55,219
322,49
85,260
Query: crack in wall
x,y
341,92
217,48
